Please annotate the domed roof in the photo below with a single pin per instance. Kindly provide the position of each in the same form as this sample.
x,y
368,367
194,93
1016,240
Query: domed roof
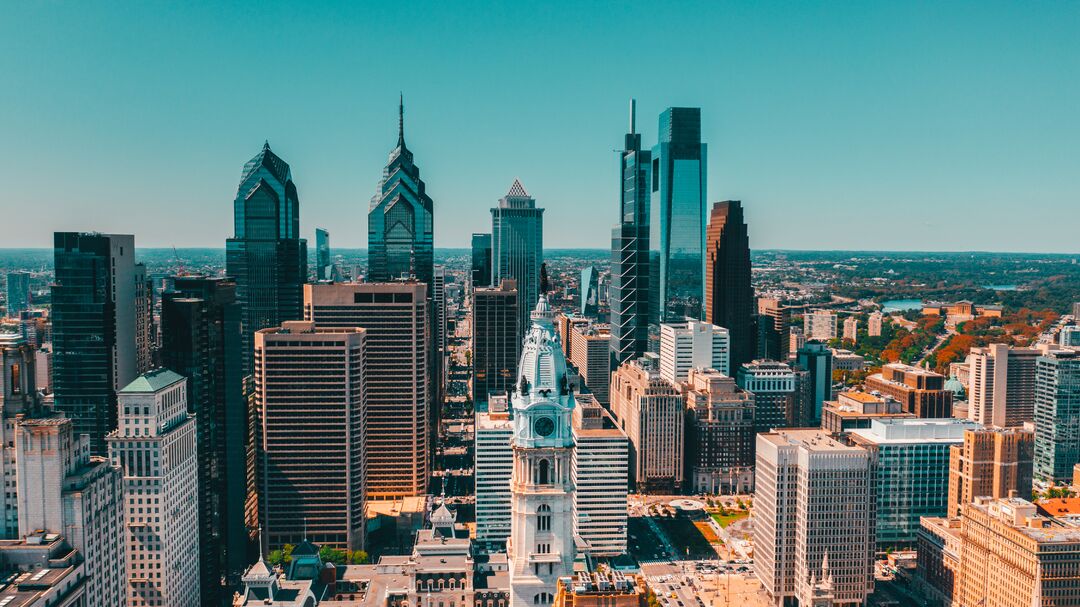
x,y
542,368
955,385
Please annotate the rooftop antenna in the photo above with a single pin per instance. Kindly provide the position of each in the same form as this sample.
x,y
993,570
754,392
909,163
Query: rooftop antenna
x,y
633,114
401,119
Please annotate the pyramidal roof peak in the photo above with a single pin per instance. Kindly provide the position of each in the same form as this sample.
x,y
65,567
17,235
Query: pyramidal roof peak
x,y
517,190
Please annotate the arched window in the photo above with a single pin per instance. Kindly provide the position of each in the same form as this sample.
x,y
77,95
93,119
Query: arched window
x,y
543,472
543,518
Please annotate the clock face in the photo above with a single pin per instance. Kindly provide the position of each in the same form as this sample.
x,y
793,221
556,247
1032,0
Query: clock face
x,y
544,426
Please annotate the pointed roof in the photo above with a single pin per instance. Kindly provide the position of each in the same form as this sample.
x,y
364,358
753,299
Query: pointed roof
x,y
401,121
152,381
517,190
268,159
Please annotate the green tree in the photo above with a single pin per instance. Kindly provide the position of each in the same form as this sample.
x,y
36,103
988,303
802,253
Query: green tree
x,y
282,556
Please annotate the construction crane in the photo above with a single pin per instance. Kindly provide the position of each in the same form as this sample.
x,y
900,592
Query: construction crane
x,y
180,270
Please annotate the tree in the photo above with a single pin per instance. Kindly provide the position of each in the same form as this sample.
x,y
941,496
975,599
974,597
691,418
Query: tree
x,y
282,556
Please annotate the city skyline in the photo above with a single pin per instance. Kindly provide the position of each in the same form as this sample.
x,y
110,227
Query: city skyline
x,y
912,85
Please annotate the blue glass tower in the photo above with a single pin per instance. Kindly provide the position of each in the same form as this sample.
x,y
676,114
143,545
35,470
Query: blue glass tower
x,y
400,226
322,254
677,232
590,291
517,246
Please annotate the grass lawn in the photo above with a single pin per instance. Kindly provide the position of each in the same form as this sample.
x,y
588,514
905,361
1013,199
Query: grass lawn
x,y
726,519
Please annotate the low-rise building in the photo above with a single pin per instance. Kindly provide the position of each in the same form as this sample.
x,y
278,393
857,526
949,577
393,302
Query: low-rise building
x,y
42,570
921,391
846,360
602,588
852,410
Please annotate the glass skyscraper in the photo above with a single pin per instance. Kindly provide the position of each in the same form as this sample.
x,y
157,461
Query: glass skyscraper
x,y
266,257
400,227
18,293
322,254
628,295
677,234
481,260
517,245
1057,416
729,296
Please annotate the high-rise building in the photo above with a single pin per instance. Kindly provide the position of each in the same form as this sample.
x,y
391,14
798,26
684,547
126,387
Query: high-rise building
x,y
481,260
651,412
816,358
18,399
1057,415
1069,336
719,434
729,297
1001,385
156,445
590,353
310,394
541,549
796,339
322,254
851,328
813,517
911,461
400,422
94,319
629,292
589,286
820,325
677,218
495,339
1009,555
63,489
566,325
692,344
266,256
598,470
991,462
200,337
921,391
873,324
773,334
493,462
18,293
517,246
776,393
145,335
400,226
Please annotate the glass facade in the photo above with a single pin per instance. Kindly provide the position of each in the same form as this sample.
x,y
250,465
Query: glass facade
x,y
678,200
322,254
18,293
517,241
481,260
1057,416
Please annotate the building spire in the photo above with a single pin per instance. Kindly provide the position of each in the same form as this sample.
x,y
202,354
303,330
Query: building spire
x,y
266,145
633,114
401,120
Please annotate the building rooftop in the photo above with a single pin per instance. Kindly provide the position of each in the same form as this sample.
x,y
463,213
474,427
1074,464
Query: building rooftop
x,y
152,381
918,430
812,439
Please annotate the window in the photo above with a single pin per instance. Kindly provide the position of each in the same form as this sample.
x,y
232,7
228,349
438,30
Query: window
x,y
543,518
543,476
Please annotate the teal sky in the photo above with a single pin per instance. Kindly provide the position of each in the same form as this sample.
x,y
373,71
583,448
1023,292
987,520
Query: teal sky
x,y
840,125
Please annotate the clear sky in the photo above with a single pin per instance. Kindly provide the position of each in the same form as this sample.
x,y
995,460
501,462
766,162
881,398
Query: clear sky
x,y
846,125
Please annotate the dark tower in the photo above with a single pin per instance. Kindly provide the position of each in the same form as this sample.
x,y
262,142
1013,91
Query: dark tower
x,y
729,298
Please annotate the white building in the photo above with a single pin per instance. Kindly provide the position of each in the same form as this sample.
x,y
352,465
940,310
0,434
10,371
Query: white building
x,y
541,548
1070,336
1001,385
813,516
494,460
599,470
63,489
155,445
851,328
873,325
820,325
693,344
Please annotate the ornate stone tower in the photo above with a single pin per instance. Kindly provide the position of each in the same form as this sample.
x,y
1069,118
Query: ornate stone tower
x,y
541,548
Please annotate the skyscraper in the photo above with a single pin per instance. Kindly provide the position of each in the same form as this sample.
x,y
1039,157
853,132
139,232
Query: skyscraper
x,y
94,320
481,260
322,254
677,219
729,298
590,291
155,444
591,355
629,292
400,226
776,393
774,336
400,422
816,358
495,339
18,399
1001,385
311,396
990,462
651,412
18,293
266,256
200,336
693,344
517,246
1057,415
144,320
719,434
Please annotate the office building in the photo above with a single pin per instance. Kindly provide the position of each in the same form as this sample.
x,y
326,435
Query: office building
x,y
991,462
590,353
18,293
1010,555
566,325
400,226
62,489
651,412
921,391
938,548
606,588
495,339
266,256
820,325
777,393
589,296
813,517
156,445
911,460
322,254
517,246
853,410
145,334
598,470
481,260
541,548
400,422
729,298
692,344
630,266
200,337
1069,336
1057,413
94,320
846,360
817,359
1001,385
796,339
719,434
677,217
18,399
851,328
873,324
310,394
773,342
493,463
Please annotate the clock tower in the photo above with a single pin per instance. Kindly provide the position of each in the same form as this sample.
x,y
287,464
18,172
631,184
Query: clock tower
x,y
541,547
